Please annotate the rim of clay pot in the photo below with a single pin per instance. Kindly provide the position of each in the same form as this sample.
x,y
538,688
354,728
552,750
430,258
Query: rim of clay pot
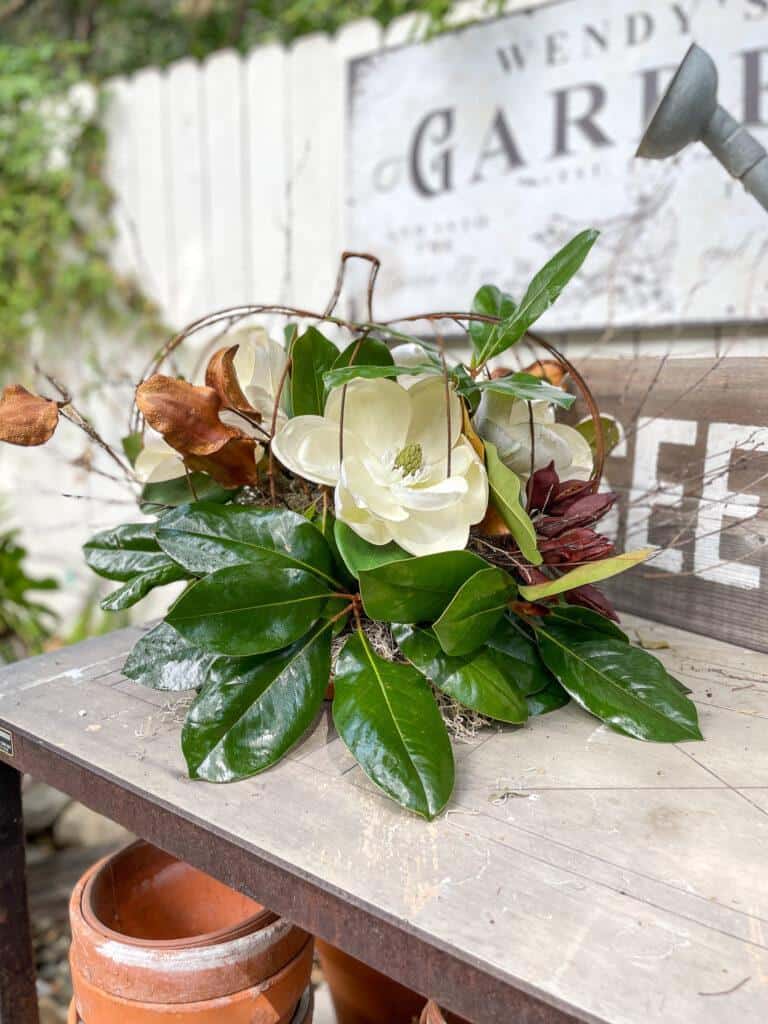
x,y
302,1010
254,922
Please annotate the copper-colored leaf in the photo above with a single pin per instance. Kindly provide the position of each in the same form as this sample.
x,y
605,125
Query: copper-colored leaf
x,y
186,415
470,433
431,1014
493,525
26,419
220,375
233,465
549,370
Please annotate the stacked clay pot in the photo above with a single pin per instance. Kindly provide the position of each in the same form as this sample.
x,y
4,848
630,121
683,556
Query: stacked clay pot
x,y
155,941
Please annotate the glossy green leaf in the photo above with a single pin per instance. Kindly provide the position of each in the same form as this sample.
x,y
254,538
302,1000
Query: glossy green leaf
x,y
205,537
132,445
527,388
517,656
254,709
386,714
539,296
416,589
344,374
475,610
505,491
611,432
571,614
249,609
326,524
137,588
312,354
164,660
359,555
156,498
592,572
364,352
124,552
552,697
624,686
474,680
488,301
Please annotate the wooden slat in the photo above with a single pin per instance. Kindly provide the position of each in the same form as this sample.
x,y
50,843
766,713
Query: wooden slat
x,y
616,881
693,478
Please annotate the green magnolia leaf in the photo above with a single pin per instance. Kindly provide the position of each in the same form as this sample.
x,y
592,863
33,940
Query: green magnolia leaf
x,y
505,493
364,352
539,296
571,614
517,656
474,680
611,432
164,660
624,686
156,498
343,375
312,354
488,301
205,537
249,609
552,697
124,552
326,524
528,388
475,610
134,590
359,555
416,589
254,709
589,573
466,386
386,714
132,445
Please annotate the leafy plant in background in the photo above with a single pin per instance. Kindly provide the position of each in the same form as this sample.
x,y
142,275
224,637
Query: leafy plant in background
x,y
412,531
25,622
55,209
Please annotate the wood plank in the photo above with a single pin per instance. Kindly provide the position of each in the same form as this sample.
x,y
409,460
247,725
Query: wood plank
x,y
569,855
692,473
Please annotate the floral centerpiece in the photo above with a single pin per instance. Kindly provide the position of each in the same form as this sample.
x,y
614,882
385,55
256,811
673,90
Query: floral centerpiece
x,y
418,532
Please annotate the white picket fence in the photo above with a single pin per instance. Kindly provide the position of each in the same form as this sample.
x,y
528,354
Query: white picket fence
x,y
230,181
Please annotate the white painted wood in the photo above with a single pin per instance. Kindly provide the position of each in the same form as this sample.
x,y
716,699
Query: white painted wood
x,y
152,225
623,880
190,274
229,257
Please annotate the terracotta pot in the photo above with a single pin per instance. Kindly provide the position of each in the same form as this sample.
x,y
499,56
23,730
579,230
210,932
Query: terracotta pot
x,y
362,995
154,940
303,1014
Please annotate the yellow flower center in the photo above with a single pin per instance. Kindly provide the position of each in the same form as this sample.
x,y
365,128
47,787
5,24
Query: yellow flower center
x,y
410,459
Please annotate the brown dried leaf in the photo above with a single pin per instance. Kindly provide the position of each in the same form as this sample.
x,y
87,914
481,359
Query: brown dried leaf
x,y
431,1014
493,525
233,465
186,415
549,370
220,375
26,419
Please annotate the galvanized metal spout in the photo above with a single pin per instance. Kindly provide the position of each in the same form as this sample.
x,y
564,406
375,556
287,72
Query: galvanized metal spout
x,y
689,112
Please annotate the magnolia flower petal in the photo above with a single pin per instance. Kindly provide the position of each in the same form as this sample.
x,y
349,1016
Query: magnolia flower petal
x,y
427,533
505,441
581,454
364,523
158,462
377,412
429,420
259,360
410,353
506,411
369,493
438,496
476,503
309,447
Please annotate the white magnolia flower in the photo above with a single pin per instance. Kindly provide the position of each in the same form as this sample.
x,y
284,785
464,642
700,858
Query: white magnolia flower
x,y
259,363
393,482
410,353
504,421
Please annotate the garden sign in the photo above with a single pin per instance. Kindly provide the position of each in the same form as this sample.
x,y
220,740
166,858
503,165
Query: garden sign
x,y
476,154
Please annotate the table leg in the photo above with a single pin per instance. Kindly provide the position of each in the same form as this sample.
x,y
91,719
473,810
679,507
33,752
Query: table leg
x,y
18,999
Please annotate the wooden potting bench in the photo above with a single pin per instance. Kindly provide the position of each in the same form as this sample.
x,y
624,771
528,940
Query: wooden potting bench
x,y
576,876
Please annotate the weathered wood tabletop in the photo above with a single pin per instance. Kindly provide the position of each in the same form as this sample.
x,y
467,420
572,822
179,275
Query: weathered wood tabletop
x,y
577,875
